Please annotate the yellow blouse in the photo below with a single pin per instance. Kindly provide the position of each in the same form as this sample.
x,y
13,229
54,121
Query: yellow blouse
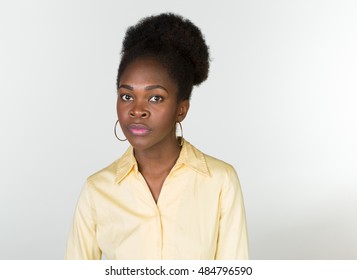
x,y
199,214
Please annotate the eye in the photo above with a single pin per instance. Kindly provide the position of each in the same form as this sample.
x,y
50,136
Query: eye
x,y
126,97
156,99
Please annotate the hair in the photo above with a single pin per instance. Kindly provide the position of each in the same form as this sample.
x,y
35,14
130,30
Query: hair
x,y
174,42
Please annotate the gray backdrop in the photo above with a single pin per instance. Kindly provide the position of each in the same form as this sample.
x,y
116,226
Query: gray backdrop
x,y
279,104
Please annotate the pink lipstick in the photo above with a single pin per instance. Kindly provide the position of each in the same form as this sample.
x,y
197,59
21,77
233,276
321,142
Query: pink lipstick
x,y
139,129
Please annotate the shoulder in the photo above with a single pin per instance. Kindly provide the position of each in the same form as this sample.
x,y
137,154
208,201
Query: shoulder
x,y
214,166
220,174
225,175
222,171
101,180
109,174
217,165
105,173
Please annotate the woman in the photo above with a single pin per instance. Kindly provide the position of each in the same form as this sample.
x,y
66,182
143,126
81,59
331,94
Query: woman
x,y
163,199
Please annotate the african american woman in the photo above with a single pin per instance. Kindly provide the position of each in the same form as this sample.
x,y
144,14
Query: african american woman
x,y
162,199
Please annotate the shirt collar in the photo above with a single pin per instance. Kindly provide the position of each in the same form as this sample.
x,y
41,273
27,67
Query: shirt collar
x,y
192,158
189,156
125,164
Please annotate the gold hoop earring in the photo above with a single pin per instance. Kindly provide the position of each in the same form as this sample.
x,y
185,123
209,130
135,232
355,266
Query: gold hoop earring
x,y
115,132
180,138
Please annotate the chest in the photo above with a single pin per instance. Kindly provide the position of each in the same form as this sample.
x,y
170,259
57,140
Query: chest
x,y
182,224
155,183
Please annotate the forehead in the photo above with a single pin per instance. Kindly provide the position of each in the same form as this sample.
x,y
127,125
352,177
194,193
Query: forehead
x,y
146,71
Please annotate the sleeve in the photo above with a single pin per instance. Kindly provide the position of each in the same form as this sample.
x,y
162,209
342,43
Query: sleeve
x,y
232,236
82,242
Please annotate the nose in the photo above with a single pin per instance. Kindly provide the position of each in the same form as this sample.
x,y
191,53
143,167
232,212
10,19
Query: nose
x,y
139,111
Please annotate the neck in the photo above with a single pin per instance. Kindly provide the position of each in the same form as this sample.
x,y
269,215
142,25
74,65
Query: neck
x,y
158,159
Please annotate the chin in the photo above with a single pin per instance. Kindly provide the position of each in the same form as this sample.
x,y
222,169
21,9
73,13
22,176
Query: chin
x,y
139,143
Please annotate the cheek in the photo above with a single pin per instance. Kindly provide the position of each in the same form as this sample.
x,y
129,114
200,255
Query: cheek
x,y
167,117
117,104
120,109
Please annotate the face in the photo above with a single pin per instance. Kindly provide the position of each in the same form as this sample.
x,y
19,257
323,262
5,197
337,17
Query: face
x,y
147,105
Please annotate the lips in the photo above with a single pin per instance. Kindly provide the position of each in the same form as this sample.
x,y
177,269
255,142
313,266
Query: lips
x,y
139,129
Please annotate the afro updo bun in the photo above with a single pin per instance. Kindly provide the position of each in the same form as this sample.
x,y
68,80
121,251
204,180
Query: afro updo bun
x,y
175,42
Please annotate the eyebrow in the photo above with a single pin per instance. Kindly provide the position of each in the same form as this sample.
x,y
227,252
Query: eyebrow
x,y
151,87
126,87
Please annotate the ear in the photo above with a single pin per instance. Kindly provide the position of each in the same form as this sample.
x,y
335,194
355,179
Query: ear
x,y
183,107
